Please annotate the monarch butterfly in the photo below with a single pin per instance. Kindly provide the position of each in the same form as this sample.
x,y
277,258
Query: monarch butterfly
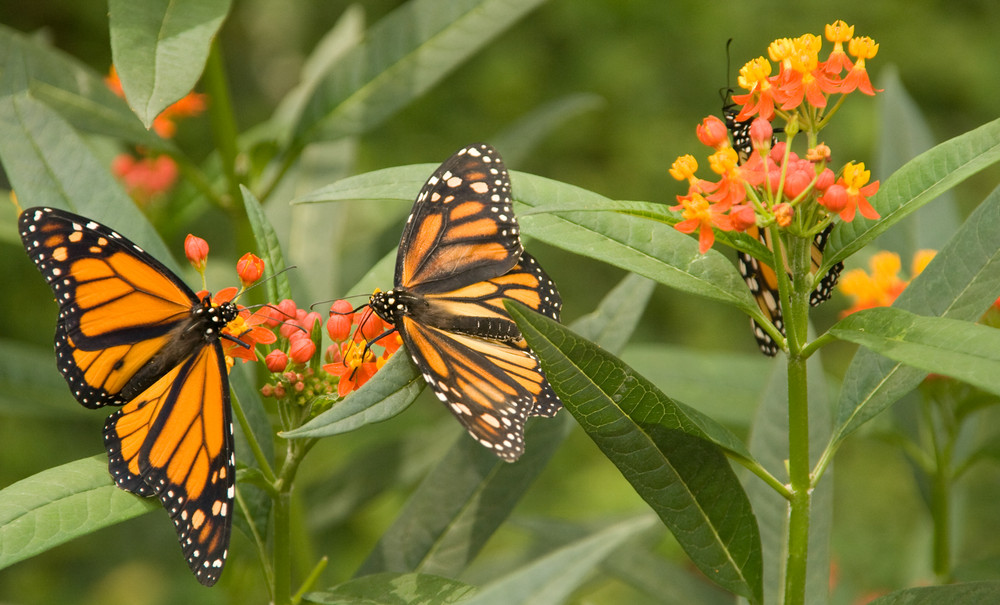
x,y
459,256
760,277
130,333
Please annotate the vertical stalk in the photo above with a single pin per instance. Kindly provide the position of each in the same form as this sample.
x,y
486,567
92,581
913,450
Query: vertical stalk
x,y
297,449
223,121
796,310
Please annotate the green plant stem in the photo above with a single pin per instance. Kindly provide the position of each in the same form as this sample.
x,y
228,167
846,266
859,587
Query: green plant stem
x,y
297,449
941,488
224,129
796,309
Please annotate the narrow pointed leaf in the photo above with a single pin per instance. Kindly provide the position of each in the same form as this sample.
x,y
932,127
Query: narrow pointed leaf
x,y
268,245
671,454
918,182
960,283
159,48
403,56
552,578
972,593
62,503
75,91
49,164
905,134
960,349
393,589
398,384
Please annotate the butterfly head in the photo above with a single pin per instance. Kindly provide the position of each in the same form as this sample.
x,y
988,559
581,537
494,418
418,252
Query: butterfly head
x,y
387,305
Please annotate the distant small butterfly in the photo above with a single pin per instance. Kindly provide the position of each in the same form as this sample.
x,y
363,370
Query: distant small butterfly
x,y
459,256
760,277
130,333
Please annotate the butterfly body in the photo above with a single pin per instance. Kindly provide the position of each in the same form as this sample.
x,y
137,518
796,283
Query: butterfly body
x,y
459,257
130,333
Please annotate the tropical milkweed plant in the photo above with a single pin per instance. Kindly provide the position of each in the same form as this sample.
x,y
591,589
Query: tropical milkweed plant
x,y
315,374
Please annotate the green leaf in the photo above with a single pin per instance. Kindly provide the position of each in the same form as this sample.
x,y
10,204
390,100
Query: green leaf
x,y
389,392
904,134
76,92
960,283
726,386
665,581
403,56
614,320
956,348
972,593
393,589
278,287
552,578
670,453
159,48
62,503
461,502
918,182
49,164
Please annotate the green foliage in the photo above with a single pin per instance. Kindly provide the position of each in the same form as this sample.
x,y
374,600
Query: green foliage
x,y
376,497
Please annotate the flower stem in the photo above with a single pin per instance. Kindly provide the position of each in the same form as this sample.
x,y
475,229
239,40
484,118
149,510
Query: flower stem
x,y
796,322
223,122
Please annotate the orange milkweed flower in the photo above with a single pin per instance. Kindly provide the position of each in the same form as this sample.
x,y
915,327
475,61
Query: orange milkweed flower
x,y
700,215
854,179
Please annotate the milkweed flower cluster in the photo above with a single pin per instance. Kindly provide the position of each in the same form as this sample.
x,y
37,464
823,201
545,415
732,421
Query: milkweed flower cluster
x,y
150,176
760,182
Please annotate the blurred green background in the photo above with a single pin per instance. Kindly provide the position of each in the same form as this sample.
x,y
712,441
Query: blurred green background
x,y
657,68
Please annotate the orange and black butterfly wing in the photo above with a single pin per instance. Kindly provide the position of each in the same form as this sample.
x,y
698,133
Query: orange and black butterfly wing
x,y
491,387
175,440
824,290
117,304
478,310
763,284
461,229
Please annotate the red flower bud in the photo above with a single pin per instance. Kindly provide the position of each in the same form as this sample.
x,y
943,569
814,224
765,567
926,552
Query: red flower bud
x,y
338,326
301,350
249,268
761,133
712,132
835,198
825,179
796,182
196,251
276,361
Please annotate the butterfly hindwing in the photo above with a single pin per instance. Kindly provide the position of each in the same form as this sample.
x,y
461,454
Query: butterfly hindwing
x,y
117,304
175,440
461,229
489,386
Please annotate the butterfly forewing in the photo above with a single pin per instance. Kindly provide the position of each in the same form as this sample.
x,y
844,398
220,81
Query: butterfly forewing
x,y
461,229
117,304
